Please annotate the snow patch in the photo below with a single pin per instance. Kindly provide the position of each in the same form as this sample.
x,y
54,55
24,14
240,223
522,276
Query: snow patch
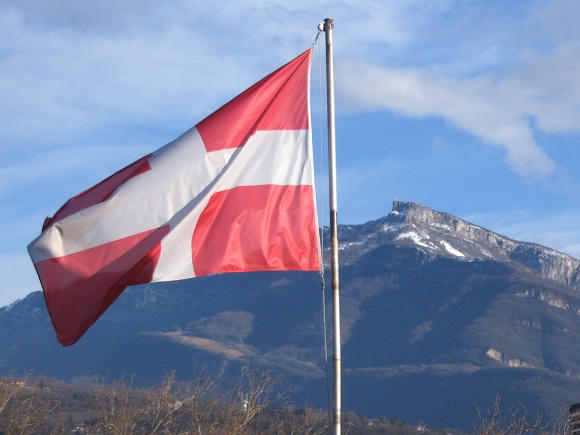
x,y
444,227
403,212
451,249
409,235
415,238
390,227
343,246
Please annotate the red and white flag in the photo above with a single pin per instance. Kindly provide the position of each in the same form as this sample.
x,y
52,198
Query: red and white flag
x,y
233,194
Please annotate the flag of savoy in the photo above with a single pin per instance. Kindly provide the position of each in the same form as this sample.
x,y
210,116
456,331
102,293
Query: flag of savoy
x,y
233,194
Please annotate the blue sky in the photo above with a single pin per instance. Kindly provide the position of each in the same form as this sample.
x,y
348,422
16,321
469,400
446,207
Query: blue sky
x,y
470,107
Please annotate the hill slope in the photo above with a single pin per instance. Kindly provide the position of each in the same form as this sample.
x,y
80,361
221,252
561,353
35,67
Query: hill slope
x,y
438,316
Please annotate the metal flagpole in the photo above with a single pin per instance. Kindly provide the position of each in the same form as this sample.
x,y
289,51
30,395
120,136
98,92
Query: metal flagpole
x,y
327,26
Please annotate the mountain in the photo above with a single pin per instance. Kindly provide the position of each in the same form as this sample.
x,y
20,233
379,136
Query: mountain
x,y
438,317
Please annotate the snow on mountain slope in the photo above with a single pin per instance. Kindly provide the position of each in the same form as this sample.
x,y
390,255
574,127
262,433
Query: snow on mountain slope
x,y
442,234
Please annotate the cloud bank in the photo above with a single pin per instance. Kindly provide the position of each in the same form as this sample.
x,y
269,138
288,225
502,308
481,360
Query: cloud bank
x,y
531,89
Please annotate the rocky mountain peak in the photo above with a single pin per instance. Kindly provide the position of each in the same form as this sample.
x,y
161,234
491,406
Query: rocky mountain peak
x,y
442,234
447,234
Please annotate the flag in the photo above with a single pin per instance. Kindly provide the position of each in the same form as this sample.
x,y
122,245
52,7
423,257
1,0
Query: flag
x,y
233,194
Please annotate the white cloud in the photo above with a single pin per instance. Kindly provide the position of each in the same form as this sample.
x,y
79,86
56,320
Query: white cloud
x,y
503,78
496,112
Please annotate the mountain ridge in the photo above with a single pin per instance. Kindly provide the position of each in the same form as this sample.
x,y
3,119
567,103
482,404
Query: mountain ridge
x,y
438,316
418,224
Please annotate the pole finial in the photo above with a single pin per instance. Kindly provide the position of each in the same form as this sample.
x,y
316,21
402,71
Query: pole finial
x,y
328,24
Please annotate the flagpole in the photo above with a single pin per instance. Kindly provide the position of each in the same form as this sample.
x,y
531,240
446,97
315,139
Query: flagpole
x,y
327,27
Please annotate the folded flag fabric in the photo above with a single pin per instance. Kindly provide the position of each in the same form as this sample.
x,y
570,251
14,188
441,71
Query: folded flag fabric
x,y
233,194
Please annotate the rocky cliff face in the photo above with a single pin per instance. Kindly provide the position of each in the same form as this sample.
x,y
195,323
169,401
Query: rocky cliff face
x,y
443,234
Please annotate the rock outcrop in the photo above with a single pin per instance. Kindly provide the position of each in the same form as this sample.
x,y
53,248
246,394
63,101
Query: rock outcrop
x,y
440,233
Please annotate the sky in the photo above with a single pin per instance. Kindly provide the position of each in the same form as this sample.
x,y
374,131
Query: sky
x,y
471,107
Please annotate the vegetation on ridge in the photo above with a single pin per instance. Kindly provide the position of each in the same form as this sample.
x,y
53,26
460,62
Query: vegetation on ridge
x,y
206,405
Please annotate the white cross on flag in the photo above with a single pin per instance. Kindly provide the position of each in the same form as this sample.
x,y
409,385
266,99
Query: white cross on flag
x,y
233,194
